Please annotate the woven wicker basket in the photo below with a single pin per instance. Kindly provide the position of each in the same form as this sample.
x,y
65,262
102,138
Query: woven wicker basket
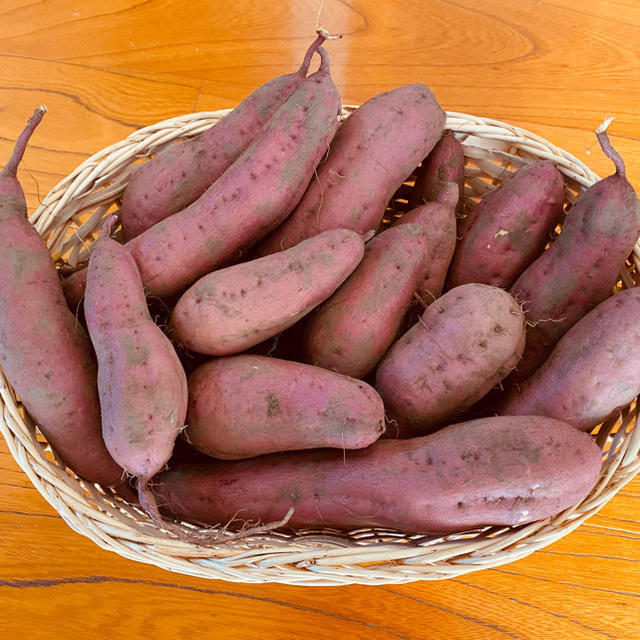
x,y
69,217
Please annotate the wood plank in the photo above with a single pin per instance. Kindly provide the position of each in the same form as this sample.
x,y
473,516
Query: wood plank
x,y
88,109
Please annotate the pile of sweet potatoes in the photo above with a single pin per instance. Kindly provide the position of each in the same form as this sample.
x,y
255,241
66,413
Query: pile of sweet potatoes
x,y
315,357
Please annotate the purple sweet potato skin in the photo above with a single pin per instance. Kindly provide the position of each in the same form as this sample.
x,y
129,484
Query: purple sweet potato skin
x,y
593,370
509,228
44,352
253,196
180,173
493,471
465,343
142,386
580,268
376,148
233,309
439,218
73,287
352,329
243,406
443,165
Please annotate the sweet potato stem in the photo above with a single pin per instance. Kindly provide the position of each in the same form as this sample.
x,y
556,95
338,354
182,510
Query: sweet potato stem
x,y
304,67
607,148
322,36
11,168
149,503
324,61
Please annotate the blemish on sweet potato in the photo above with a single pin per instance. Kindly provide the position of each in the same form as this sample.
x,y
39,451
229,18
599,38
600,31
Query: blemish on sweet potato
x,y
273,405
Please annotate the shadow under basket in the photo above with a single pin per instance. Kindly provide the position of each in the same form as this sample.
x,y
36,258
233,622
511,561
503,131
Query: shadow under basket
x,y
69,219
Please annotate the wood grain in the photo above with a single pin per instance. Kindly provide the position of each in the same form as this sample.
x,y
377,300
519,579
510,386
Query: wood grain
x,y
555,67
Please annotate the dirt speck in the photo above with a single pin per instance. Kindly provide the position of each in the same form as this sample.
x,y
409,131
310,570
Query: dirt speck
x,y
273,405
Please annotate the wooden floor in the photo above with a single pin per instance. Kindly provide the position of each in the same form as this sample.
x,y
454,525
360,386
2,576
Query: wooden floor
x,y
555,67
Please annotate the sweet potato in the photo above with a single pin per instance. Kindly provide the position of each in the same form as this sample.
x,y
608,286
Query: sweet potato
x,y
375,150
180,173
509,227
443,165
593,370
141,383
44,352
351,330
466,342
582,265
244,406
232,309
439,218
495,471
254,195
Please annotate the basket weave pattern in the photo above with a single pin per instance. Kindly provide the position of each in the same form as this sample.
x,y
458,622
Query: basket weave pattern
x,y
69,218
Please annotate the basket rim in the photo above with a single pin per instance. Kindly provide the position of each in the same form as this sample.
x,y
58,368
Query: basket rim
x,y
378,557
